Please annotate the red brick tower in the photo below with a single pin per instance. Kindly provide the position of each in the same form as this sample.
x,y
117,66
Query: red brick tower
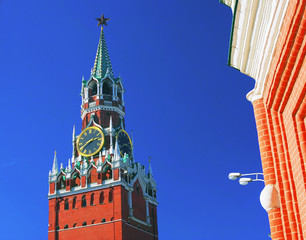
x,y
102,193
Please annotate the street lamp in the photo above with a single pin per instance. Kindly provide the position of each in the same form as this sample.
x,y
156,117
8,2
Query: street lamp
x,y
269,197
245,180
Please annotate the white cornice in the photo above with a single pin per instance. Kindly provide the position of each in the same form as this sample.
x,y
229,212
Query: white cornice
x,y
89,225
80,190
102,107
254,36
230,3
139,221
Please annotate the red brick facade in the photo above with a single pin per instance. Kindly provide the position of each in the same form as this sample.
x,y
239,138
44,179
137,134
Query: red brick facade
x,y
280,118
280,112
106,218
271,48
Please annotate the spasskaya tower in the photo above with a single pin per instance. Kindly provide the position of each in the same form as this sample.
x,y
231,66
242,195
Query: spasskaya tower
x,y
102,193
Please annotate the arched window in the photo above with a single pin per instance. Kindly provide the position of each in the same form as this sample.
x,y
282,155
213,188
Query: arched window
x,y
93,222
75,179
137,189
101,198
66,226
57,227
89,178
150,192
61,183
66,204
92,90
119,94
92,175
107,172
92,199
58,205
84,223
125,178
107,90
103,220
99,175
83,201
74,225
110,196
74,202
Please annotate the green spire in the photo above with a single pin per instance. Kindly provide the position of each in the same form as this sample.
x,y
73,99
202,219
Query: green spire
x,y
102,65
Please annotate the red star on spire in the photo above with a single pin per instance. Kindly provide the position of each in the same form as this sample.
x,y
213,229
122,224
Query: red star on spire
x,y
102,20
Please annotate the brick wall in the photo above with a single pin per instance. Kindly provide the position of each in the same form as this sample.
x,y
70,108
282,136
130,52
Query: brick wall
x,y
280,119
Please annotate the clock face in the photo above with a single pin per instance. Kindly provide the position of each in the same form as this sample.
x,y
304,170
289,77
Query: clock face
x,y
125,143
90,141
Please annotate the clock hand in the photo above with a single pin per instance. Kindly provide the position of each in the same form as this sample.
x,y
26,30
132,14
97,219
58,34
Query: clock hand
x,y
81,148
89,141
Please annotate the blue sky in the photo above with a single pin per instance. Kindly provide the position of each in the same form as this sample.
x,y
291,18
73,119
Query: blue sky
x,y
186,107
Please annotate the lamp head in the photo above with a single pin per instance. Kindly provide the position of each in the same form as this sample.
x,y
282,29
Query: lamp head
x,y
234,176
245,181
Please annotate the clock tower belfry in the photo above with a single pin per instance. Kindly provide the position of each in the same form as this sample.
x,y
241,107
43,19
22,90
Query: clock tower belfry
x,y
102,193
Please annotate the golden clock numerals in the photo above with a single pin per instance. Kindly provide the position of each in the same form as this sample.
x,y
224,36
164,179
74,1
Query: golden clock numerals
x,y
90,131
85,151
89,151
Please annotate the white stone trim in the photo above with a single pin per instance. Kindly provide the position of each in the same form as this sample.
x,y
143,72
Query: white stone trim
x,y
92,104
108,77
89,225
230,3
255,34
65,193
102,107
108,103
139,221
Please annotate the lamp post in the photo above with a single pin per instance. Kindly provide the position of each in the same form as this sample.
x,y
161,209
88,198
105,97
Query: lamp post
x,y
245,180
264,197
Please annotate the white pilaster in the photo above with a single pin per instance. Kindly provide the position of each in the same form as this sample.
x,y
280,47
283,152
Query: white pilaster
x,y
147,212
111,150
114,86
101,90
86,91
130,204
98,91
122,96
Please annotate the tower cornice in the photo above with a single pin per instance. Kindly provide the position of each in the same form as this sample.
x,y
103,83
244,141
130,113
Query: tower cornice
x,y
102,107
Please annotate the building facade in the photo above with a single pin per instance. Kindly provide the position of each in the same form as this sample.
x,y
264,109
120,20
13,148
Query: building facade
x,y
102,193
268,43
